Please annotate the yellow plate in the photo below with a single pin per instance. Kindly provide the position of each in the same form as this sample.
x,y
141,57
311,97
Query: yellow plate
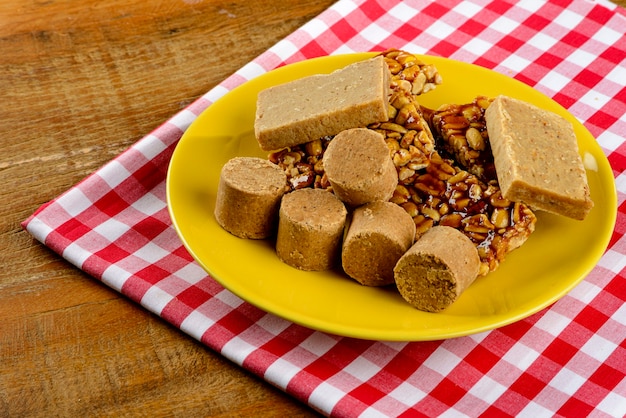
x,y
557,256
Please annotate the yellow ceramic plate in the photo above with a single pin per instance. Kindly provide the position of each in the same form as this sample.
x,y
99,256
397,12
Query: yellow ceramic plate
x,y
557,256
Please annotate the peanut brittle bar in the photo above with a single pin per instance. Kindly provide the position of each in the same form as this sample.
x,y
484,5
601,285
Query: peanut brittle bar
x,y
461,132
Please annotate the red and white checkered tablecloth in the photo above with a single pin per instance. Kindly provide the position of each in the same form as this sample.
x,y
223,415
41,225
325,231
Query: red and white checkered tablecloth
x,y
567,360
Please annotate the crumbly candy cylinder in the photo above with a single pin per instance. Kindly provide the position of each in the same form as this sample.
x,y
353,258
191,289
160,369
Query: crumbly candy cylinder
x,y
248,197
378,235
310,229
323,104
359,167
437,269
536,158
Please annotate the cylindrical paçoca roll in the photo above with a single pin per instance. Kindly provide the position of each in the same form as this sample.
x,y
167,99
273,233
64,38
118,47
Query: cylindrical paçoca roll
x,y
359,167
248,197
310,229
378,235
434,272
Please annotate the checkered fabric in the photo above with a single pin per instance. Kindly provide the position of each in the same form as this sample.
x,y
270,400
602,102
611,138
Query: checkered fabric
x,y
567,360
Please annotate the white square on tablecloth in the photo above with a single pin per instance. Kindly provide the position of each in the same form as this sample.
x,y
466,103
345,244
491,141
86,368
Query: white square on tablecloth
x,y
373,33
40,230
568,19
183,119
151,253
609,140
487,389
280,372
529,5
620,314
196,324
150,146
192,273
585,292
521,356
325,395
74,202
273,324
515,63
285,49
553,323
115,277
441,29
344,8
620,185
251,70
611,259
452,413
477,46
155,299
76,254
581,58
442,360
479,337
594,99
315,28
114,173
407,393
567,381
607,36
362,369
414,48
541,41
504,25
467,9
318,343
617,75
345,49
402,12
598,347
614,405
149,204
229,299
554,81
215,93
237,350
534,410
112,229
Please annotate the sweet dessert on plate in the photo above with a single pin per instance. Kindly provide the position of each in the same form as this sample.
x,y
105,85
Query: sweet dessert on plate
x,y
536,158
319,105
359,168
436,270
310,229
378,235
445,176
250,190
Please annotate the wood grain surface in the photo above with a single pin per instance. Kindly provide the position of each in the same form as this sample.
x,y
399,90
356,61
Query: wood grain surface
x,y
80,81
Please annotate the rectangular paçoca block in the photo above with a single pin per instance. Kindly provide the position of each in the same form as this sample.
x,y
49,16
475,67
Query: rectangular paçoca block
x,y
536,157
323,104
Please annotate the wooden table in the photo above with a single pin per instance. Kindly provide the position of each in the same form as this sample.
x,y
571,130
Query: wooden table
x,y
81,81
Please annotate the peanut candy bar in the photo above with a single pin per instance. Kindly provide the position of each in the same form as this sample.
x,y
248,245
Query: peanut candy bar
x,y
461,132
